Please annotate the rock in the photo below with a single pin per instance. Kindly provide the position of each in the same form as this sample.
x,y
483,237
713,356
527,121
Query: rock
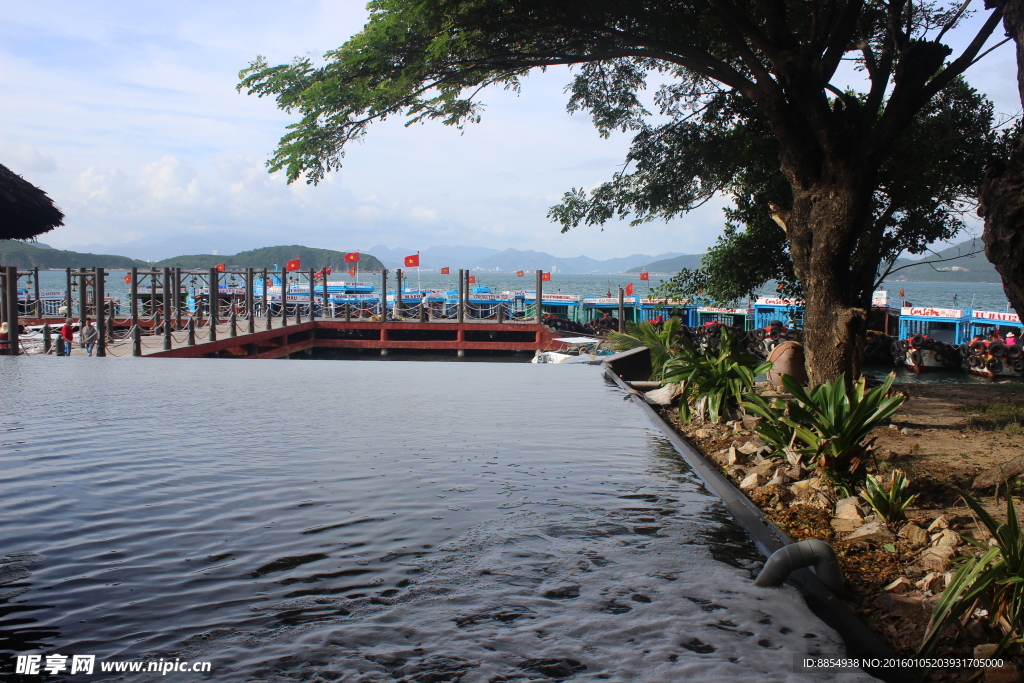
x,y
845,526
936,559
873,532
731,457
947,537
893,426
903,605
749,422
916,537
749,448
663,396
763,451
985,650
1007,673
778,480
901,585
941,522
705,434
796,473
933,582
907,431
752,481
849,508
997,475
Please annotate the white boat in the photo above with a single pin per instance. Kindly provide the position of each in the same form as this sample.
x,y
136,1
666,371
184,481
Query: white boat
x,y
580,350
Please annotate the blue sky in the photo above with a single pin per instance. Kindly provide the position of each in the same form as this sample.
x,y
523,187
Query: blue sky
x,y
127,114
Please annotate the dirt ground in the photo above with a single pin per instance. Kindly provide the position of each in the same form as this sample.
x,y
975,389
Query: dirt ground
x,y
942,438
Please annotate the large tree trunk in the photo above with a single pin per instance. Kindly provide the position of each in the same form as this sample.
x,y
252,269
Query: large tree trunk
x,y
1002,192
822,229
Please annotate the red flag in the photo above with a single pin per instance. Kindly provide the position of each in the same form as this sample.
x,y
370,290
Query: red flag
x,y
903,293
645,276
520,273
545,277
220,267
352,271
328,271
128,279
629,289
412,261
293,265
446,271
472,279
352,257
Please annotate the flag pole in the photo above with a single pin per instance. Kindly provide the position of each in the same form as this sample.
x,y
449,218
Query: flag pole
x,y
419,285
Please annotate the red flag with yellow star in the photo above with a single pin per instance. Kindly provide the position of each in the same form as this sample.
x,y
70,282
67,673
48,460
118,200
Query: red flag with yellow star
x,y
412,261
446,271
352,257
293,265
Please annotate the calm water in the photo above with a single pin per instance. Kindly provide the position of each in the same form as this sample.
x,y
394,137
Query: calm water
x,y
368,521
985,296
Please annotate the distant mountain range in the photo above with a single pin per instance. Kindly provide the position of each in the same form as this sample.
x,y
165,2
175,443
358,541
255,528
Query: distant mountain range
x,y
968,264
510,260
670,266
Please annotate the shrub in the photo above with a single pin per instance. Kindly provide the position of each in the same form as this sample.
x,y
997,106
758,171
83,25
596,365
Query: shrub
x,y
889,505
663,342
994,580
714,381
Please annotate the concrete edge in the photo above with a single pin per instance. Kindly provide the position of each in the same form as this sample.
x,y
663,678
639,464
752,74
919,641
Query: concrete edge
x,y
860,641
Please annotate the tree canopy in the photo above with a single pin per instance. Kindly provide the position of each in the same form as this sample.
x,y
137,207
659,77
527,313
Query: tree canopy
x,y
431,60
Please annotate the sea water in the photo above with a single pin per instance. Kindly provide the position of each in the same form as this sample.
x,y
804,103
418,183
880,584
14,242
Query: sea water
x,y
352,521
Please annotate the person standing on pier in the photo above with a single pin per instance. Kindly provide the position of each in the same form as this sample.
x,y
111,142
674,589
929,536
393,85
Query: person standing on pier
x,y
89,335
68,335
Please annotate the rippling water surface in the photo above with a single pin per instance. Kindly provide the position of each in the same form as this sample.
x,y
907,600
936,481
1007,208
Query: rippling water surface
x,y
369,522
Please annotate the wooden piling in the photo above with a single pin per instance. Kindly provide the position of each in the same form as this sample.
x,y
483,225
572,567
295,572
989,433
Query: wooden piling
x,y
47,338
167,305
398,312
326,300
82,298
312,298
134,294
12,311
383,296
540,295
214,302
38,306
137,340
99,287
622,310
191,332
250,297
177,298
266,301
461,305
232,321
284,297
68,303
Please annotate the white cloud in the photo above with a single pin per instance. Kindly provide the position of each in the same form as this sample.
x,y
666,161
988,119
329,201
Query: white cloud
x,y
22,156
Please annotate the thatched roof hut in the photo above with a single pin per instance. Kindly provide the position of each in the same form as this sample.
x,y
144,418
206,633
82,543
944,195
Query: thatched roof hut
x,y
25,210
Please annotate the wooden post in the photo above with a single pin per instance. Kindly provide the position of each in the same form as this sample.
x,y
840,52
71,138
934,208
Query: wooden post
x,y
99,288
284,297
12,311
177,298
38,304
137,340
383,295
191,332
167,308
348,312
501,312
266,301
326,301
398,312
47,338
232,320
67,297
134,295
82,298
622,310
214,300
250,293
312,291
540,294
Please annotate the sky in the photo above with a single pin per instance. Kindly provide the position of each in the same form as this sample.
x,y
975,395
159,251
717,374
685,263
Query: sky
x,y
126,113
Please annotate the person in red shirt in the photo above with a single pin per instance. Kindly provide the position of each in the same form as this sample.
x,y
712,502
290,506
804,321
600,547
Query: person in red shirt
x,y
68,335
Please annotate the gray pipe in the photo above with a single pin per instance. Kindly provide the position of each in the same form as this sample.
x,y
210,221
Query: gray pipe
x,y
810,553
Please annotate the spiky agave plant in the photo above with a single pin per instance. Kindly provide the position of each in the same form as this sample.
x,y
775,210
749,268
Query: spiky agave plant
x,y
663,342
993,580
890,504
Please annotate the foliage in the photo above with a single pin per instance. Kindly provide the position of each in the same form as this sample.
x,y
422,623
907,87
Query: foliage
x,y
831,421
267,257
772,427
890,504
995,580
663,341
713,380
915,205
27,255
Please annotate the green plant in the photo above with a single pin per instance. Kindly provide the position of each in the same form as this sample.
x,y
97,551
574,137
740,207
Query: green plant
x,y
890,504
772,427
831,422
994,579
663,342
714,381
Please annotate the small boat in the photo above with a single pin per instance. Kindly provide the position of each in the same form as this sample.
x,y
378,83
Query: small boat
x,y
920,352
580,350
991,359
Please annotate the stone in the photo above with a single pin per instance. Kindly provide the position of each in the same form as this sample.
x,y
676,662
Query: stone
x,y
752,481
749,422
705,434
663,396
933,582
937,559
901,585
1007,673
999,474
749,448
940,522
731,457
903,605
915,536
907,431
947,537
985,650
778,480
893,426
845,526
873,532
797,473
849,508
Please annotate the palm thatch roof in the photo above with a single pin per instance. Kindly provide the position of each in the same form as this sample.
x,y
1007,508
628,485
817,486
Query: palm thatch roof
x,y
25,210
